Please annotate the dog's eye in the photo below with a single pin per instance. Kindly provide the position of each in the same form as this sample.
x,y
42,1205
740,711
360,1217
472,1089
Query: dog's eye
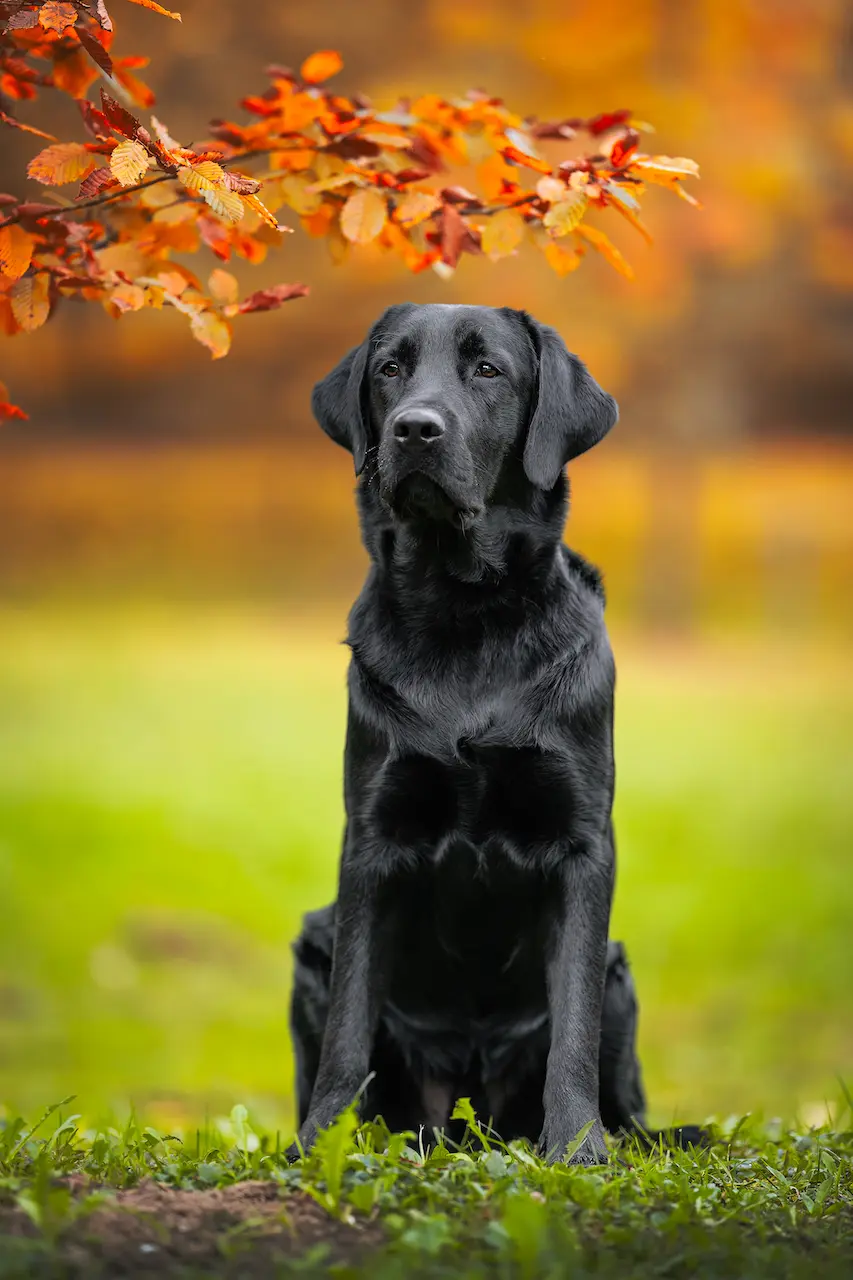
x,y
486,370
390,369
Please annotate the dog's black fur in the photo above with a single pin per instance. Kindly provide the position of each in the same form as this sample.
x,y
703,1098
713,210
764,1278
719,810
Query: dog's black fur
x,y
468,954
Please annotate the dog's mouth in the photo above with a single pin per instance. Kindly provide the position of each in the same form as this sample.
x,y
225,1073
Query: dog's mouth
x,y
420,497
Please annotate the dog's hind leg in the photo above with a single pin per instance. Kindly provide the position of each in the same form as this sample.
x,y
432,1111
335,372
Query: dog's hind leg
x,y
623,1101
309,1004
621,1096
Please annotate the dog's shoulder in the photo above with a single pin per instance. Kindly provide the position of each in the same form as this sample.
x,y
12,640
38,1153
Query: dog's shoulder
x,y
586,574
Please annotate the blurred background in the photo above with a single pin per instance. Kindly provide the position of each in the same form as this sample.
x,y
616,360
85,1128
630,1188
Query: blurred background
x,y
179,551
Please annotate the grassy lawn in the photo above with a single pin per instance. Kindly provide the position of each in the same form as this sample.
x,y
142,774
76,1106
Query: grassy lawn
x,y
170,804
223,1202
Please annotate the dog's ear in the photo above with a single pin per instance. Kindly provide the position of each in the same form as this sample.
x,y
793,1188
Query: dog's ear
x,y
337,404
571,412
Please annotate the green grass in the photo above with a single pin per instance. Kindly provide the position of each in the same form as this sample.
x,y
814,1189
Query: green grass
x,y
756,1203
170,804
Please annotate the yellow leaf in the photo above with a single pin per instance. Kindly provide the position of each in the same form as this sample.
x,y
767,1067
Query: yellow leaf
x,y
158,8
564,216
30,303
664,170
128,162
212,332
607,249
297,193
561,259
363,216
416,207
16,251
202,177
257,206
502,234
223,286
124,297
63,162
228,204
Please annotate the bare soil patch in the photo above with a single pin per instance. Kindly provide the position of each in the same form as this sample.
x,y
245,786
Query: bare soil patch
x,y
241,1229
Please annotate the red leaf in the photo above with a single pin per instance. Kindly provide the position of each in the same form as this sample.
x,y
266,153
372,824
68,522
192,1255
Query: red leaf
x,y
98,180
270,299
94,120
95,50
624,147
119,117
460,195
457,236
607,119
8,410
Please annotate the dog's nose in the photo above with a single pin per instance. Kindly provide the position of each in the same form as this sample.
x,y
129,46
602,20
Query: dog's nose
x,y
415,428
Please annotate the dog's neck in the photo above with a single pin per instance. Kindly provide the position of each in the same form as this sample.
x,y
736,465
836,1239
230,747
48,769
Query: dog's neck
x,y
513,544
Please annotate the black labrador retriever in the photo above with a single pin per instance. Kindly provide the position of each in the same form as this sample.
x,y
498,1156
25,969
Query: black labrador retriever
x,y
468,953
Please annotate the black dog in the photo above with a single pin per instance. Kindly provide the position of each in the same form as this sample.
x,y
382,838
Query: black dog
x,y
468,954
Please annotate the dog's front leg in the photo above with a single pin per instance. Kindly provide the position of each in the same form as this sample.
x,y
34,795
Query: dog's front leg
x,y
576,972
355,1000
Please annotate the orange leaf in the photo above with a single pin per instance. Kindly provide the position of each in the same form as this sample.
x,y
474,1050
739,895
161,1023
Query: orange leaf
x,y
158,8
502,234
61,163
57,16
521,157
212,332
560,259
223,286
30,303
321,66
128,162
607,249
73,72
363,216
16,251
7,409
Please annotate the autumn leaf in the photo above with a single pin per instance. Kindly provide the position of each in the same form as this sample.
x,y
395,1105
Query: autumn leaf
x,y
416,207
223,286
561,259
30,301
228,204
97,181
56,16
63,162
664,170
128,162
209,328
563,217
321,66
270,299
363,217
502,234
551,189
158,8
605,246
16,251
521,157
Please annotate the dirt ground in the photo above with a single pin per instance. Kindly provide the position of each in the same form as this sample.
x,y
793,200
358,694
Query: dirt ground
x,y
155,1230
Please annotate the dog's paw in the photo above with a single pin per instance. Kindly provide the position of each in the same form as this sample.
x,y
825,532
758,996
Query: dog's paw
x,y
592,1151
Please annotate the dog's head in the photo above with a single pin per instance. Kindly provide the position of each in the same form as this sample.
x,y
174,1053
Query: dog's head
x,y
453,399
